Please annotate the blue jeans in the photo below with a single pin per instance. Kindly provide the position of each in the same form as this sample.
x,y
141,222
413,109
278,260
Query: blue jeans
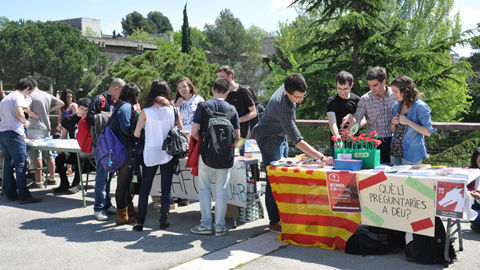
x,y
166,172
102,186
222,178
271,205
14,148
402,161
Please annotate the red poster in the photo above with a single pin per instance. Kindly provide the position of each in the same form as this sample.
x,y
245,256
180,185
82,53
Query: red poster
x,y
450,199
343,194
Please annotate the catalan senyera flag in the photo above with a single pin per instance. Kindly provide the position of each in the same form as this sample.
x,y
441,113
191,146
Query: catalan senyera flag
x,y
302,199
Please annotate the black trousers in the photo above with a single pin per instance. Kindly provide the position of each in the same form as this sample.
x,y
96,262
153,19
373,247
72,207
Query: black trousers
x,y
68,158
385,149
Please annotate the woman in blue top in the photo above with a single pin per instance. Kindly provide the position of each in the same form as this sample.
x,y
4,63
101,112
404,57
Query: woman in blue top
x,y
410,123
123,126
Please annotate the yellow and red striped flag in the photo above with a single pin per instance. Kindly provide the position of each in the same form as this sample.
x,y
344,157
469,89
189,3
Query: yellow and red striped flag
x,y
302,199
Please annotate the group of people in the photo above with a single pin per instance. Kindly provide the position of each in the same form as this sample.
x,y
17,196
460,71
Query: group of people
x,y
397,113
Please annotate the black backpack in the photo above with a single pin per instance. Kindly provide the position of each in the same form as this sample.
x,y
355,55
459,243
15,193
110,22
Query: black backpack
x,y
430,250
218,139
176,144
360,244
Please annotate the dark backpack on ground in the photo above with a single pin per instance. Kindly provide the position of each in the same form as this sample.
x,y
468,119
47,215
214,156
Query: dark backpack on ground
x,y
218,139
430,250
360,244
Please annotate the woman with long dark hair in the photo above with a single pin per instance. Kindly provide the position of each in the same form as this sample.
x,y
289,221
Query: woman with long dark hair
x,y
123,126
410,123
158,116
70,106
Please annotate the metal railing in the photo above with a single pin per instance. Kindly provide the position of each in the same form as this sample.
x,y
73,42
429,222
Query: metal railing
x,y
451,145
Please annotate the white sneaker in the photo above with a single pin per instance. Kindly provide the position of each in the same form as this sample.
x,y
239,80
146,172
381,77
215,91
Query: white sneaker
x,y
111,210
101,216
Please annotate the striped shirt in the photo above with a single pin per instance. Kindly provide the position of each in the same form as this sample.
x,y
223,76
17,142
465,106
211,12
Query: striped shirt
x,y
277,123
378,112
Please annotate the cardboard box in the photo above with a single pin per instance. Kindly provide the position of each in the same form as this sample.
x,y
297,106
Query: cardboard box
x,y
231,211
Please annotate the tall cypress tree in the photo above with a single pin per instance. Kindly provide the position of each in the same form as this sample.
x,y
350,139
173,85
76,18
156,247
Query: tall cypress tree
x,y
186,41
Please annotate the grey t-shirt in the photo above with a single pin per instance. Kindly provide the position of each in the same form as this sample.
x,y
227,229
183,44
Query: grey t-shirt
x,y
40,103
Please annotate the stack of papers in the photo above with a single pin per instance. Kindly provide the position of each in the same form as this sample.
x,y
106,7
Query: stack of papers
x,y
469,174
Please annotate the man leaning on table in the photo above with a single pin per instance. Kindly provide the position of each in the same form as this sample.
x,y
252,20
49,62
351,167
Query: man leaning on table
x,y
339,105
12,141
69,131
271,132
39,105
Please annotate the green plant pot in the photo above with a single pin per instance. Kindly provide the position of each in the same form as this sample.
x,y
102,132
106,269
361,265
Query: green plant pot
x,y
371,158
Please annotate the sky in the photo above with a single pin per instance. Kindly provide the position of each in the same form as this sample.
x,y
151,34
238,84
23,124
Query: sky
x,y
263,13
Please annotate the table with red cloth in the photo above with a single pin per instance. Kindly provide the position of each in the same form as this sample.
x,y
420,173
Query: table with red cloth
x,y
302,199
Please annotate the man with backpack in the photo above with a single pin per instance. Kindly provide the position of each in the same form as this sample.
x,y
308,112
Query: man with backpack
x,y
271,132
218,123
102,103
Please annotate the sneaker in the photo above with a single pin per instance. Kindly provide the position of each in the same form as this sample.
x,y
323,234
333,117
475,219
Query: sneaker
x,y
275,227
221,232
34,184
111,210
74,189
30,200
201,230
100,215
51,182
475,228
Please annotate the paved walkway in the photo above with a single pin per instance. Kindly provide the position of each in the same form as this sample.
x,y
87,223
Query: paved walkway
x,y
60,234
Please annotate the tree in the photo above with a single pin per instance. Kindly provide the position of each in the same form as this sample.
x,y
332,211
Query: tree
x,y
186,41
114,35
227,39
52,51
4,21
87,83
356,35
255,36
228,42
252,71
136,20
197,38
289,37
140,35
161,22
167,63
473,115
89,32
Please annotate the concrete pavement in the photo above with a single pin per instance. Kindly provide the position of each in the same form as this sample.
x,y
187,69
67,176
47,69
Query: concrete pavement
x,y
59,233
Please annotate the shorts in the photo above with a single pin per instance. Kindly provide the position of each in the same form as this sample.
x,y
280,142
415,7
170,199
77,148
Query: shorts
x,y
35,134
